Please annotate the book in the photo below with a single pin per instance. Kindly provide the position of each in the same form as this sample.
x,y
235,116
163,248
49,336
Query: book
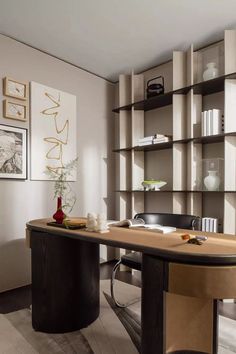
x,y
165,139
147,142
216,122
129,222
140,223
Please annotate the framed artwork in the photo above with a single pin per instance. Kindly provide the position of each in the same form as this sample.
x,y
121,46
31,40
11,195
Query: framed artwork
x,y
13,152
53,131
15,110
16,89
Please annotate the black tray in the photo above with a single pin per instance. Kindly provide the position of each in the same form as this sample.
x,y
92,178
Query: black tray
x,y
70,227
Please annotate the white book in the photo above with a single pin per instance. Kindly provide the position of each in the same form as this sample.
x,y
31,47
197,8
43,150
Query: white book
x,y
207,229
204,123
161,140
159,135
140,223
203,224
215,225
148,142
211,224
216,121
146,138
208,122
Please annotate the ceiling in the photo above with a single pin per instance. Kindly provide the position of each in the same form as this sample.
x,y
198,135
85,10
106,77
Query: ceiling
x,y
109,37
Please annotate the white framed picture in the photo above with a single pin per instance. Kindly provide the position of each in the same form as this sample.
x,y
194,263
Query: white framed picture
x,y
13,152
53,130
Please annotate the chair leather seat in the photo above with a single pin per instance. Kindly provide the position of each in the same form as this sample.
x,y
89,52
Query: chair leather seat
x,y
132,260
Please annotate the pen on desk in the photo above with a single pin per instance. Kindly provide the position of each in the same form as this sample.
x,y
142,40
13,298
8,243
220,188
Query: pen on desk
x,y
201,237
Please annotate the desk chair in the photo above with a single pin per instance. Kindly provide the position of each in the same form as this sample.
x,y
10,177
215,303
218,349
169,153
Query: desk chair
x,y
133,260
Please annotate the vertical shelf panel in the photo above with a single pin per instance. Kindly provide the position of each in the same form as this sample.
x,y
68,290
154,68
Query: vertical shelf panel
x,y
194,170
230,51
194,109
179,70
124,90
179,203
190,66
230,106
137,169
179,167
230,163
137,203
137,90
124,170
230,213
194,204
179,117
137,128
124,127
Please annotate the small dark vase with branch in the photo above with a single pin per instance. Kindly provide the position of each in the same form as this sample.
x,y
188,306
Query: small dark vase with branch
x,y
66,197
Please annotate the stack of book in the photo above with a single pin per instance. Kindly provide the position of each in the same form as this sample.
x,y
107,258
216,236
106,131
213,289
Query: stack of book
x,y
212,122
153,139
210,224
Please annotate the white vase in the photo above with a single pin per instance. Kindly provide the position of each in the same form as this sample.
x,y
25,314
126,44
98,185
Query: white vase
x,y
211,72
212,181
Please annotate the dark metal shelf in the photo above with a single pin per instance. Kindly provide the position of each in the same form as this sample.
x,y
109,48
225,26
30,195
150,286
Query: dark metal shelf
x,y
211,139
202,88
171,191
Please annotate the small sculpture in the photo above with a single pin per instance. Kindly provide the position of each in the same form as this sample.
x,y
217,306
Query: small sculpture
x,y
91,224
101,223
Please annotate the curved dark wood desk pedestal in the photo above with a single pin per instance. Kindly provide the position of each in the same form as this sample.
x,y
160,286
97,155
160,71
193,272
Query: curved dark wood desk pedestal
x,y
65,283
181,283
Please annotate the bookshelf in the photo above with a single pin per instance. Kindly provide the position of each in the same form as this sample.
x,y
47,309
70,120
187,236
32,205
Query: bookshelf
x,y
177,112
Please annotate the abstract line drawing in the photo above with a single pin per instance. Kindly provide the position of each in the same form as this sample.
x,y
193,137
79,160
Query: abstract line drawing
x,y
53,116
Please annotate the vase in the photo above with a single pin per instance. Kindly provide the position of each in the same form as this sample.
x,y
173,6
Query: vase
x,y
212,181
211,72
59,214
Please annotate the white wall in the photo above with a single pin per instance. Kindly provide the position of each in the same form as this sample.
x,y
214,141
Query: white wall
x,y
21,201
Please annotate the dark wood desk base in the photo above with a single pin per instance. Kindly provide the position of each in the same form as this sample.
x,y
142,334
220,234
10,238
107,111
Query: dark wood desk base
x,y
65,283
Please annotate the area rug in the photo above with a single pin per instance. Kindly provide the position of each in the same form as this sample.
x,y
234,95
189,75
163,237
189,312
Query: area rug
x,y
116,330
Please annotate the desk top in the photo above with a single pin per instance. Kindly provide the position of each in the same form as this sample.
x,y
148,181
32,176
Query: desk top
x,y
219,249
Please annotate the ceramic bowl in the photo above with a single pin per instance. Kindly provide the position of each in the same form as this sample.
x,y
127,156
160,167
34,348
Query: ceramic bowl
x,y
153,185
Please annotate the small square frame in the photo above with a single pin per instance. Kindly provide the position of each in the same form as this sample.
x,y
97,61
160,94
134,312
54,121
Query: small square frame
x,y
7,114
6,88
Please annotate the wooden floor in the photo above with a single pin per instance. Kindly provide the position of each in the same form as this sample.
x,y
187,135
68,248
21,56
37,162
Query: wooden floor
x,y
20,298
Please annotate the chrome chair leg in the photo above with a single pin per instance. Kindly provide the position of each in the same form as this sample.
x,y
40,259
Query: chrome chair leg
x,y
113,276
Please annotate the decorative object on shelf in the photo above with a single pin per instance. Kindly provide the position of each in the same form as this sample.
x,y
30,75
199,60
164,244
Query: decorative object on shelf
x,y
62,187
13,152
212,181
53,130
212,122
150,185
210,224
211,72
16,89
59,215
155,89
212,172
15,110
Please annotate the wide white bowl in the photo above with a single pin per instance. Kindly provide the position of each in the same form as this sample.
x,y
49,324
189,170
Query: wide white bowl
x,y
153,185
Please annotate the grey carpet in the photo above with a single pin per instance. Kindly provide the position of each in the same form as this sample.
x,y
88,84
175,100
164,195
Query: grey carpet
x,y
115,331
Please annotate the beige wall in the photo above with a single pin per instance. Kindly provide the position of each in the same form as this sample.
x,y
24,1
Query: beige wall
x,y
24,200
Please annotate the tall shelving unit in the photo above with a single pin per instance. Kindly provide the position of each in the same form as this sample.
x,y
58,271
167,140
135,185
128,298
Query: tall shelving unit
x,y
177,112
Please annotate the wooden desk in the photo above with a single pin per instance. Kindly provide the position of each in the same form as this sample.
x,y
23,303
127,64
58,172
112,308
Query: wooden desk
x,y
180,283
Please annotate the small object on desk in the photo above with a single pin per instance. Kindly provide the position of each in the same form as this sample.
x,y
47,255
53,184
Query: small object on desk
x,y
185,236
201,237
195,241
91,222
101,223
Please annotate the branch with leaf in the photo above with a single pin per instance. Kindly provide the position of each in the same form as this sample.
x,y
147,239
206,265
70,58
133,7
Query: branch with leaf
x,y
62,188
